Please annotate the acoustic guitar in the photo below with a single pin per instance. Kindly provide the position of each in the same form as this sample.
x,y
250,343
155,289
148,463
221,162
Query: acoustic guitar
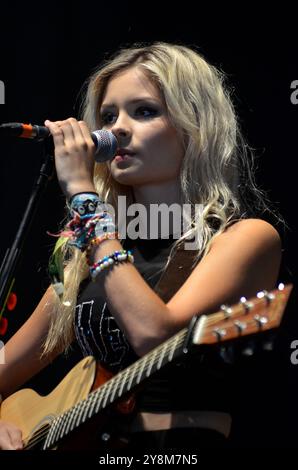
x,y
79,413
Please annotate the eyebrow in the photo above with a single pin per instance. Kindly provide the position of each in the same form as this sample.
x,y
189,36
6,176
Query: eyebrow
x,y
133,101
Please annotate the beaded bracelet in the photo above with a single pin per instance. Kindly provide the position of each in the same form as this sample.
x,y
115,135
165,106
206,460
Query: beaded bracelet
x,y
98,240
114,258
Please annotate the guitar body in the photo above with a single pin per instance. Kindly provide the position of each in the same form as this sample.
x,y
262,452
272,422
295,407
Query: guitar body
x,y
33,413
30,411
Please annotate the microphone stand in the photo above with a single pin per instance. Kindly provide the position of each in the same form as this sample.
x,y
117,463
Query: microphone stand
x,y
12,255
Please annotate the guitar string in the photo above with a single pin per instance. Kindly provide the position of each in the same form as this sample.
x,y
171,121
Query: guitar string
x,y
214,318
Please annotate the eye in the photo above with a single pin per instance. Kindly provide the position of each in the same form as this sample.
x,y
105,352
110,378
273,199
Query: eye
x,y
146,111
107,118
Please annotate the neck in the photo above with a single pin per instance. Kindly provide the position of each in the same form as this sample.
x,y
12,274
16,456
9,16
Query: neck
x,y
156,194
152,196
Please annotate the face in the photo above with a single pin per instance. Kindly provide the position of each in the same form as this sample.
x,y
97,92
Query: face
x,y
149,150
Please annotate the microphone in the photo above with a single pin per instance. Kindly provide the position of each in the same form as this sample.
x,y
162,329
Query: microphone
x,y
105,142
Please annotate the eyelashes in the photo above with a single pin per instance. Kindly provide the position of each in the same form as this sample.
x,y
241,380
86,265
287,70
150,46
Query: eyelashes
x,y
142,112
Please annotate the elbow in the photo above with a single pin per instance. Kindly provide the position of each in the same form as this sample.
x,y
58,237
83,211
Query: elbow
x,y
151,336
145,344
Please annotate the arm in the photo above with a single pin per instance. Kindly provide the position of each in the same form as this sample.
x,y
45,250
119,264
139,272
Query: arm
x,y
23,350
242,261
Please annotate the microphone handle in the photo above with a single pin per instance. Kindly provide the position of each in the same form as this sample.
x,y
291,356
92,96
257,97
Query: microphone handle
x,y
105,142
25,131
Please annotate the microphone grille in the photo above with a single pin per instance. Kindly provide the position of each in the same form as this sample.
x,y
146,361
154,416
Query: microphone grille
x,y
106,145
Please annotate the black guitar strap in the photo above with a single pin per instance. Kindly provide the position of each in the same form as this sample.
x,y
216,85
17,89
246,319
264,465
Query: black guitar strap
x,y
176,273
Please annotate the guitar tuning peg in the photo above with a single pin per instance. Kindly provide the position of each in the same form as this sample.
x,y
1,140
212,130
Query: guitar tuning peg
x,y
247,306
268,296
227,310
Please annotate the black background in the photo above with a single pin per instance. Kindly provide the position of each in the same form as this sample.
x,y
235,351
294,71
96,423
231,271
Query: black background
x,y
47,52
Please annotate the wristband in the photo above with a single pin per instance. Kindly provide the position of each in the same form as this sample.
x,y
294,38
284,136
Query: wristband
x,y
84,203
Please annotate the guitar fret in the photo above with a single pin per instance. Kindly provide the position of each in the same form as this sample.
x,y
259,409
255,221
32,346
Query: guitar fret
x,y
76,415
106,389
143,362
100,393
85,411
151,363
49,436
159,363
78,411
90,406
123,382
70,421
48,440
54,430
93,401
132,373
114,385
173,348
65,423
81,414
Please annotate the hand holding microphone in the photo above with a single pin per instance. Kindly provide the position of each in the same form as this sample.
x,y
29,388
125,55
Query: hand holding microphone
x,y
74,149
105,142
75,154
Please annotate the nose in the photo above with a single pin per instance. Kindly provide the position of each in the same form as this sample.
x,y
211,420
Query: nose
x,y
122,128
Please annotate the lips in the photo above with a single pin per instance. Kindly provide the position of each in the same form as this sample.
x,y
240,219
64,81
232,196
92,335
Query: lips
x,y
123,152
122,158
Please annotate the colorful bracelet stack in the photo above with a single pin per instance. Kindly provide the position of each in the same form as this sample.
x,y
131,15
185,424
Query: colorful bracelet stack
x,y
91,225
114,258
89,220
82,229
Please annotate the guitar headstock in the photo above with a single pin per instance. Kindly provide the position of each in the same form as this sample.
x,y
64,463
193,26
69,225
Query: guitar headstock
x,y
256,315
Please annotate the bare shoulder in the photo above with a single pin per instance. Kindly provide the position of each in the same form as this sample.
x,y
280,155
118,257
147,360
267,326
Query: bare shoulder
x,y
254,248
242,260
258,232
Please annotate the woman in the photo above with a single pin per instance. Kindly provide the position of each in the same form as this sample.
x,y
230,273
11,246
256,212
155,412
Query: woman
x,y
178,143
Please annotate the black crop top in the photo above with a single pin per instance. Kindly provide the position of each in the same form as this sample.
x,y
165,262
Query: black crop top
x,y
96,329
197,383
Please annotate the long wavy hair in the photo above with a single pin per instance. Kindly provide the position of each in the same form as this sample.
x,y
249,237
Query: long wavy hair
x,y
216,171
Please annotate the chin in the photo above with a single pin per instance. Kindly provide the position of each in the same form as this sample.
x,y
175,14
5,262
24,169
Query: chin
x,y
124,178
127,176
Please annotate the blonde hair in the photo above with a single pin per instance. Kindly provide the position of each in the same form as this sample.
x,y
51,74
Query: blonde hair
x,y
216,157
